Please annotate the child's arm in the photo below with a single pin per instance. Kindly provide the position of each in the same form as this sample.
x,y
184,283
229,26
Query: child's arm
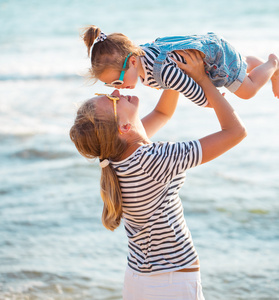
x,y
161,114
174,78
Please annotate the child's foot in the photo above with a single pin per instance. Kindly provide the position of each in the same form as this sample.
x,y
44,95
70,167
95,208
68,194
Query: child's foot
x,y
275,76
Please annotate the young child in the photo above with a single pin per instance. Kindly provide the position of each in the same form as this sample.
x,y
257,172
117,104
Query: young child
x,y
117,62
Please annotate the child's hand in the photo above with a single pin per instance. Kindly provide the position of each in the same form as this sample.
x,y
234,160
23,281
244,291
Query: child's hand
x,y
194,66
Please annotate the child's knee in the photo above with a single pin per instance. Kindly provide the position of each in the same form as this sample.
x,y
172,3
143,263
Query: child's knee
x,y
247,95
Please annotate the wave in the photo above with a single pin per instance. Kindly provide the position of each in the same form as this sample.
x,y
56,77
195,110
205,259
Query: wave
x,y
31,154
31,77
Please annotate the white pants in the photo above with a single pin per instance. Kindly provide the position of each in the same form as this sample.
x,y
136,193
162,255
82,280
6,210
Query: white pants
x,y
165,286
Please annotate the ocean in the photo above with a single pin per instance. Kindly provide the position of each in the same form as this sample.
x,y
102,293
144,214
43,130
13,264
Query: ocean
x,y
52,242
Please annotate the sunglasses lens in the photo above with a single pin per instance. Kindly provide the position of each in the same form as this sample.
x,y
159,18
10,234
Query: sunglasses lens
x,y
117,82
114,83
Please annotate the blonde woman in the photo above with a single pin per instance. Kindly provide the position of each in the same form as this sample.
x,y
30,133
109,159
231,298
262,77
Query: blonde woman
x,y
140,182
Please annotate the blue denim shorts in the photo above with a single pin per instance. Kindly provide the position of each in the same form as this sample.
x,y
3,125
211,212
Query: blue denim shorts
x,y
224,65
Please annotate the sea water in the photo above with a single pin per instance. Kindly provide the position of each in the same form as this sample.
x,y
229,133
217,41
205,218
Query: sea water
x,y
52,242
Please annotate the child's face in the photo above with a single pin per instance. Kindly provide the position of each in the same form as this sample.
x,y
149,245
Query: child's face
x,y
130,77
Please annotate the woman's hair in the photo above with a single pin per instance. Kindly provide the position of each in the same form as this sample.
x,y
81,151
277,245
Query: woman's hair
x,y
95,135
109,53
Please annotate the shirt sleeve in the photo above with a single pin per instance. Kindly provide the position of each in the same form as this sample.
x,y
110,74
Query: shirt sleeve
x,y
167,160
174,78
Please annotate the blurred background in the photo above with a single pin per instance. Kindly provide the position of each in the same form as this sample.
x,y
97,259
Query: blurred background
x,y
52,242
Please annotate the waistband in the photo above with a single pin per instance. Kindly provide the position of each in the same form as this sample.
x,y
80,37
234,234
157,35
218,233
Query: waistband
x,y
189,275
194,268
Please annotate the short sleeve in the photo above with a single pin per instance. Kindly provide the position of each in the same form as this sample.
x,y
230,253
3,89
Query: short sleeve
x,y
167,160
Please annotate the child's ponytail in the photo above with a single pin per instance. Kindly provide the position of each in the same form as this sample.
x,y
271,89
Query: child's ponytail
x,y
89,35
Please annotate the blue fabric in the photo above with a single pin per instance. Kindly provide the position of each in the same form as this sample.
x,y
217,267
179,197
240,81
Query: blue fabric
x,y
223,64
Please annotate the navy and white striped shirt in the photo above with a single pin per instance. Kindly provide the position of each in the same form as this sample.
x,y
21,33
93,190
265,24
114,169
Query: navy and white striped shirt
x,y
172,76
150,179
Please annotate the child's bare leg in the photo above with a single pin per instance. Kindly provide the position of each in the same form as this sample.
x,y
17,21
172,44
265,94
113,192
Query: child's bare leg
x,y
259,76
253,62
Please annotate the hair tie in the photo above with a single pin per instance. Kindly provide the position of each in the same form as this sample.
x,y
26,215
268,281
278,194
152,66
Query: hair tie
x,y
101,37
104,163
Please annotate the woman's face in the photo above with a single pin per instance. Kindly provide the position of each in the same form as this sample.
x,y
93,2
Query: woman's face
x,y
126,107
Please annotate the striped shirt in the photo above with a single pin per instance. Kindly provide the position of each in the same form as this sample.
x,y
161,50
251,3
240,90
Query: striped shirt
x,y
150,179
172,76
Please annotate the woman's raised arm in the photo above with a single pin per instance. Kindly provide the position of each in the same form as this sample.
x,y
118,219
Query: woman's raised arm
x,y
162,112
232,129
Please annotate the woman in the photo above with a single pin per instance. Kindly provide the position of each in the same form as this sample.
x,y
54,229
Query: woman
x,y
140,182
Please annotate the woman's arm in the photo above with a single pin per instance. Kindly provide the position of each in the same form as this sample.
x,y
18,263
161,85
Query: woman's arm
x,y
232,129
161,114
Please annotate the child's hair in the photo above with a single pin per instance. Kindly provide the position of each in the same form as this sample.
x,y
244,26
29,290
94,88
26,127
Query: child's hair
x,y
95,135
109,53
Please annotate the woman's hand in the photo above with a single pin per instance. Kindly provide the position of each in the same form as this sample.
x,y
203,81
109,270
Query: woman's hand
x,y
194,66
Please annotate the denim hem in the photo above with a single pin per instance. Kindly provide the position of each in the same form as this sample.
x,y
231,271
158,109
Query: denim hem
x,y
239,80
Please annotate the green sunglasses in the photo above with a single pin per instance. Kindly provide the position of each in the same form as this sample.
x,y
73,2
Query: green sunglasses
x,y
120,81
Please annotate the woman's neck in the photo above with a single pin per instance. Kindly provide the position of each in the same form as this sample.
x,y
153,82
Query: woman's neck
x,y
133,146
134,138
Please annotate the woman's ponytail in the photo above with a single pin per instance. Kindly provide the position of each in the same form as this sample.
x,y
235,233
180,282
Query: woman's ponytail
x,y
112,198
96,136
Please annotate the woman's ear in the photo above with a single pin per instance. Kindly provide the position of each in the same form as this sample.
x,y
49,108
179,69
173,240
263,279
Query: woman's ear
x,y
125,128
